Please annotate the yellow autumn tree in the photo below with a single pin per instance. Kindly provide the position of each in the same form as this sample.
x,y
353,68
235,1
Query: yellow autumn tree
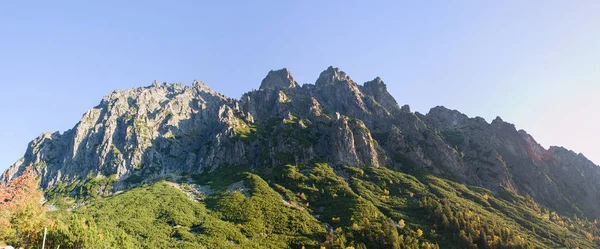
x,y
22,216
401,224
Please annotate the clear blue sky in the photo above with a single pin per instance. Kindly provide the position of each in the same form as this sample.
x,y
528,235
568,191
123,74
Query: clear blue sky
x,y
534,63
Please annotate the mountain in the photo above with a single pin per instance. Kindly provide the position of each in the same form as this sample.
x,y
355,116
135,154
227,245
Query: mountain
x,y
306,144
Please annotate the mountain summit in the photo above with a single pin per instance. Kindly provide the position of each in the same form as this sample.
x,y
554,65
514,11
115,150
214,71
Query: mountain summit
x,y
166,130
278,79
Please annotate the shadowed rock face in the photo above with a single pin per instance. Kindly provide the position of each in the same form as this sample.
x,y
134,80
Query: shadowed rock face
x,y
168,129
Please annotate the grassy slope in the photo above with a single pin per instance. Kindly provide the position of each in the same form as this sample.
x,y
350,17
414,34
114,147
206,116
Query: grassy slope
x,y
162,216
322,207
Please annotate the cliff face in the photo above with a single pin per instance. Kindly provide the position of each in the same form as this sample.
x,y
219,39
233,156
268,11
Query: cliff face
x,y
171,129
149,131
499,155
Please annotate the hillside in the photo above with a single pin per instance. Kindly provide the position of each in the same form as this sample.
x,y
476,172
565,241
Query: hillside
x,y
312,206
331,164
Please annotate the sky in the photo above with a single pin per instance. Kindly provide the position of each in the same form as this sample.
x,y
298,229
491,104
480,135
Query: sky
x,y
536,64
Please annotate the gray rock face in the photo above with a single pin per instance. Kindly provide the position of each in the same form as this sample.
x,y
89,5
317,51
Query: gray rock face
x,y
167,129
352,143
502,157
278,79
378,90
148,131
332,75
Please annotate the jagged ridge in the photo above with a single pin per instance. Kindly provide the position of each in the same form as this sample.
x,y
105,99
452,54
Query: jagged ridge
x,y
170,129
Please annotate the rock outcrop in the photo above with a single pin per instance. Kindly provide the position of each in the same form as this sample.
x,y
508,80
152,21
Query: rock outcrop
x,y
278,79
168,129
150,131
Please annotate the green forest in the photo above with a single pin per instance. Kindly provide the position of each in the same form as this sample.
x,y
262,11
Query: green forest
x,y
297,206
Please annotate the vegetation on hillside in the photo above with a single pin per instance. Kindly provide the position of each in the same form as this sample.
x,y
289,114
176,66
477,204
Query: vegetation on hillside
x,y
22,216
296,206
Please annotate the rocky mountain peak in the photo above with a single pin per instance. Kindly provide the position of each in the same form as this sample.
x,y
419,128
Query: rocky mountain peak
x,y
500,124
498,120
447,117
405,109
164,129
277,79
534,149
201,86
440,109
332,75
378,90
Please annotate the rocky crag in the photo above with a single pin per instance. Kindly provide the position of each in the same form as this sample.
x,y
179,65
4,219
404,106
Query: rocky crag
x,y
171,129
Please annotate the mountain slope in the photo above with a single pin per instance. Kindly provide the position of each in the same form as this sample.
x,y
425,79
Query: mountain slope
x,y
165,131
314,206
